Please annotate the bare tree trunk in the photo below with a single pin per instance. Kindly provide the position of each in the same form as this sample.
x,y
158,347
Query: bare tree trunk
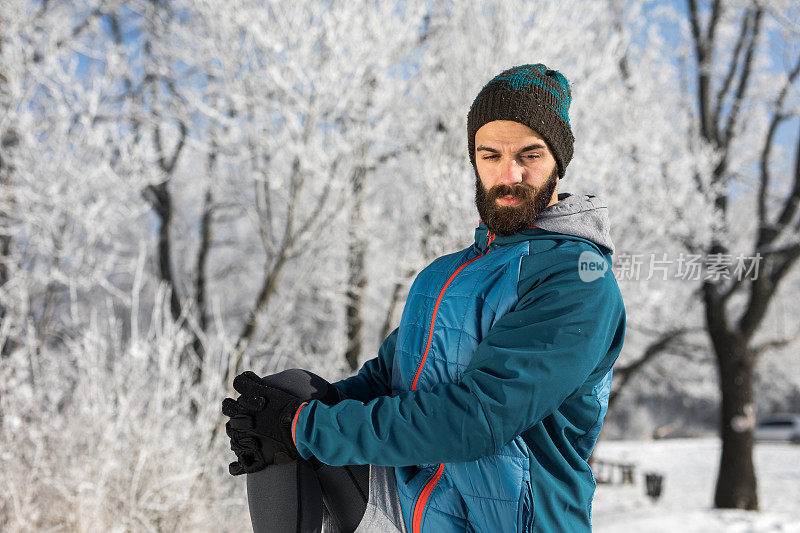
x,y
356,275
272,274
160,199
397,293
7,140
356,242
731,336
736,484
206,241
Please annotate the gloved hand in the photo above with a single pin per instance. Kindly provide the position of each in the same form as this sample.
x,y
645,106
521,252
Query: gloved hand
x,y
260,426
247,448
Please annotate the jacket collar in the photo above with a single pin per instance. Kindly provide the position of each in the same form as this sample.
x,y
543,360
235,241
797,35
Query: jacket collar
x,y
584,216
484,238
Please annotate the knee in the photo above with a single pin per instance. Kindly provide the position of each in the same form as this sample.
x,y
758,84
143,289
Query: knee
x,y
304,385
290,375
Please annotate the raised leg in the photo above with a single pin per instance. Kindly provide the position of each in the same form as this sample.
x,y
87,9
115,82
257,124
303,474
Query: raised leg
x,y
294,497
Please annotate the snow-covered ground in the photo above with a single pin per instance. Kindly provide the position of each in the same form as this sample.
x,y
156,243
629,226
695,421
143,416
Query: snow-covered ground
x,y
690,469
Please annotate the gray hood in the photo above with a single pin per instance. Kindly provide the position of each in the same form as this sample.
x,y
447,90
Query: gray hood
x,y
584,216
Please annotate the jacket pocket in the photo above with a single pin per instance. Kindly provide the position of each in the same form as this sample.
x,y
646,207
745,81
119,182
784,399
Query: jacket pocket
x,y
525,514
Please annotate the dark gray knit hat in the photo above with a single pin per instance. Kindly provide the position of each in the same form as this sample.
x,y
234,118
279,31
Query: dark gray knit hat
x,y
533,95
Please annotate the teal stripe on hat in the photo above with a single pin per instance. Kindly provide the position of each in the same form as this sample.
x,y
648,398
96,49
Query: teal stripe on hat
x,y
523,76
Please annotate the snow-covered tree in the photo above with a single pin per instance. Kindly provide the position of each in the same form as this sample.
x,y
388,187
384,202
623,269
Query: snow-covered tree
x,y
736,97
193,188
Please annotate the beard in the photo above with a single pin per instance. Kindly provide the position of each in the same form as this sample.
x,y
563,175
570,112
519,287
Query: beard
x,y
510,219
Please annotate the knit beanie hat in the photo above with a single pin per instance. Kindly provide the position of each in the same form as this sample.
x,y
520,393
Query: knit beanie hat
x,y
533,95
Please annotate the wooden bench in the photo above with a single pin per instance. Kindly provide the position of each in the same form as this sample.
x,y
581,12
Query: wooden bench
x,y
607,472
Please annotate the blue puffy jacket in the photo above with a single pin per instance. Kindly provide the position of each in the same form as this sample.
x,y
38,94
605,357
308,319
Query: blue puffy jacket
x,y
489,396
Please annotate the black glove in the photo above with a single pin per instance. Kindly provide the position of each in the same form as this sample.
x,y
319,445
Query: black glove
x,y
246,447
260,427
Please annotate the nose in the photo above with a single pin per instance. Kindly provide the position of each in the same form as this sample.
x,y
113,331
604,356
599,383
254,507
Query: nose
x,y
510,172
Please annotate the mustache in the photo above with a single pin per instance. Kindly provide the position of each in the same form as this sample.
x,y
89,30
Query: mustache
x,y
521,191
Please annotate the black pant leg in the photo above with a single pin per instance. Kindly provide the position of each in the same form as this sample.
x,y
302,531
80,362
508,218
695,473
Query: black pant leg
x,y
285,498
292,497
344,491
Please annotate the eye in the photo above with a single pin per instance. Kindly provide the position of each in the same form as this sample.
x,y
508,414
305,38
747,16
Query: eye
x,y
531,156
493,156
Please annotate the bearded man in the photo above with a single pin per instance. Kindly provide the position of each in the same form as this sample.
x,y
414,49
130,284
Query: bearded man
x,y
482,408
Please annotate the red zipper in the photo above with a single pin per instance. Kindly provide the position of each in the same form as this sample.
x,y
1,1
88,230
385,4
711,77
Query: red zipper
x,y
419,505
436,308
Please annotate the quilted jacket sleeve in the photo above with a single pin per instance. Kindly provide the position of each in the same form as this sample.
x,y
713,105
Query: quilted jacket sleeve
x,y
531,360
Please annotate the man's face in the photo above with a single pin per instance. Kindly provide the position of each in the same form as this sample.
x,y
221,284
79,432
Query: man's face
x,y
517,176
